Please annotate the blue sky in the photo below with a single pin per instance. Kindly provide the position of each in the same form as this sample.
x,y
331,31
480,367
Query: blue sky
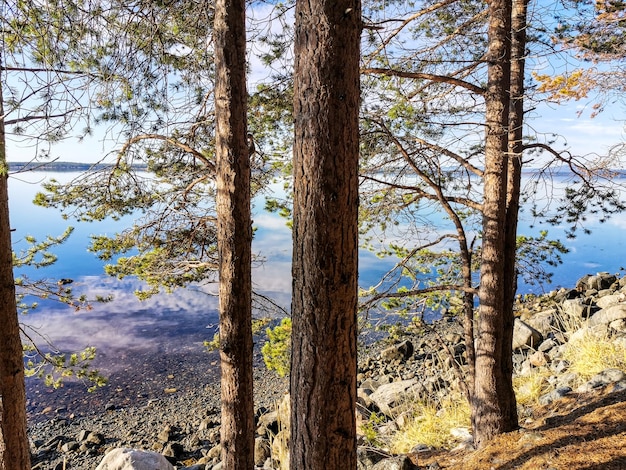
x,y
581,135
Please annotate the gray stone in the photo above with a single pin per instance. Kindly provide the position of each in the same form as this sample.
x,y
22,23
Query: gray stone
x,y
165,434
95,438
389,396
576,308
70,446
400,462
588,331
462,434
215,452
602,379
401,351
559,367
617,386
133,459
554,395
618,325
547,345
605,293
174,450
567,380
543,322
538,359
608,315
598,282
525,336
563,294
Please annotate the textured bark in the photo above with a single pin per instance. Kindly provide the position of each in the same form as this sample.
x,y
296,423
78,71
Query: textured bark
x,y
234,233
14,448
488,405
326,105
516,122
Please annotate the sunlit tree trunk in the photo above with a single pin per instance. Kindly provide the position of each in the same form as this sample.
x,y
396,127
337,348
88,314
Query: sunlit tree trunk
x,y
325,252
516,122
234,233
14,449
490,399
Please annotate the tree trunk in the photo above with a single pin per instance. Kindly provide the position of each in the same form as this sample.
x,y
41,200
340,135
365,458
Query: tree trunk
x,y
14,448
325,252
516,122
489,405
234,233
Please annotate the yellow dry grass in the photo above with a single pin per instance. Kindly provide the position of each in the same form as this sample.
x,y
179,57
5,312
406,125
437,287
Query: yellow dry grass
x,y
592,353
430,424
529,388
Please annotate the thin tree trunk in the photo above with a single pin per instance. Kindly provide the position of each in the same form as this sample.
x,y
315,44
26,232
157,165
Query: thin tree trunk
x,y
234,233
14,448
325,252
488,414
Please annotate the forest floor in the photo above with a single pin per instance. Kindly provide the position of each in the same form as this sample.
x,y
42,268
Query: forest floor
x,y
580,431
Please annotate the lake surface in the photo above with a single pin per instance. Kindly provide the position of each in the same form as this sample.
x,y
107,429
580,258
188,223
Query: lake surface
x,y
146,343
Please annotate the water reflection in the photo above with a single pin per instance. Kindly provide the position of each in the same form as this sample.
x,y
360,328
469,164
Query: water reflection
x,y
142,343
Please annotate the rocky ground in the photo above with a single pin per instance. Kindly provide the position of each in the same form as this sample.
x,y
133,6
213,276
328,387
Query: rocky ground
x,y
170,406
574,423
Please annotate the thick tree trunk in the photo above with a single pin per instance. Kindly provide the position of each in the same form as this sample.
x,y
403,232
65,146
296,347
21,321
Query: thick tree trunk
x,y
516,122
488,407
326,106
14,448
234,233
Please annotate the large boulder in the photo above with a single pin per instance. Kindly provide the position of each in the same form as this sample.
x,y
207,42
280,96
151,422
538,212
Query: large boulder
x,y
598,282
391,395
133,459
610,300
608,315
544,322
577,308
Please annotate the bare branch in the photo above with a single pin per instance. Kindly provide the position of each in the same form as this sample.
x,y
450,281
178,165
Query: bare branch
x,y
425,290
425,76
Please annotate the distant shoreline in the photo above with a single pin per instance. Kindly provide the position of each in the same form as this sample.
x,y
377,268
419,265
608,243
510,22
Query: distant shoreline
x,y
64,166
57,166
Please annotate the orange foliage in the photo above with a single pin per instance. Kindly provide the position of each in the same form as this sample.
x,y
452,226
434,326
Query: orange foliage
x,y
575,85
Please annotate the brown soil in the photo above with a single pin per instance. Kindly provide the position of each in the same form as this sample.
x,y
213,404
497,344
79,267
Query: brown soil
x,y
581,431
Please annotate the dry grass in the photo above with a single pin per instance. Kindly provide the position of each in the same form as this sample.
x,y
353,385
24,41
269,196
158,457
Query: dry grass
x,y
529,388
592,353
430,424
579,432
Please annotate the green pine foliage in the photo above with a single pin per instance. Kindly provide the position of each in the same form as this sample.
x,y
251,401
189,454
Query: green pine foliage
x,y
277,349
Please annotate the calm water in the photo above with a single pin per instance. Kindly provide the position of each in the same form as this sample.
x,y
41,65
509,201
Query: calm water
x,y
172,327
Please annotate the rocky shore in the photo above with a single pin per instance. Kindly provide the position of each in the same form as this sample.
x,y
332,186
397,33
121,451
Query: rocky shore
x,y
419,363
